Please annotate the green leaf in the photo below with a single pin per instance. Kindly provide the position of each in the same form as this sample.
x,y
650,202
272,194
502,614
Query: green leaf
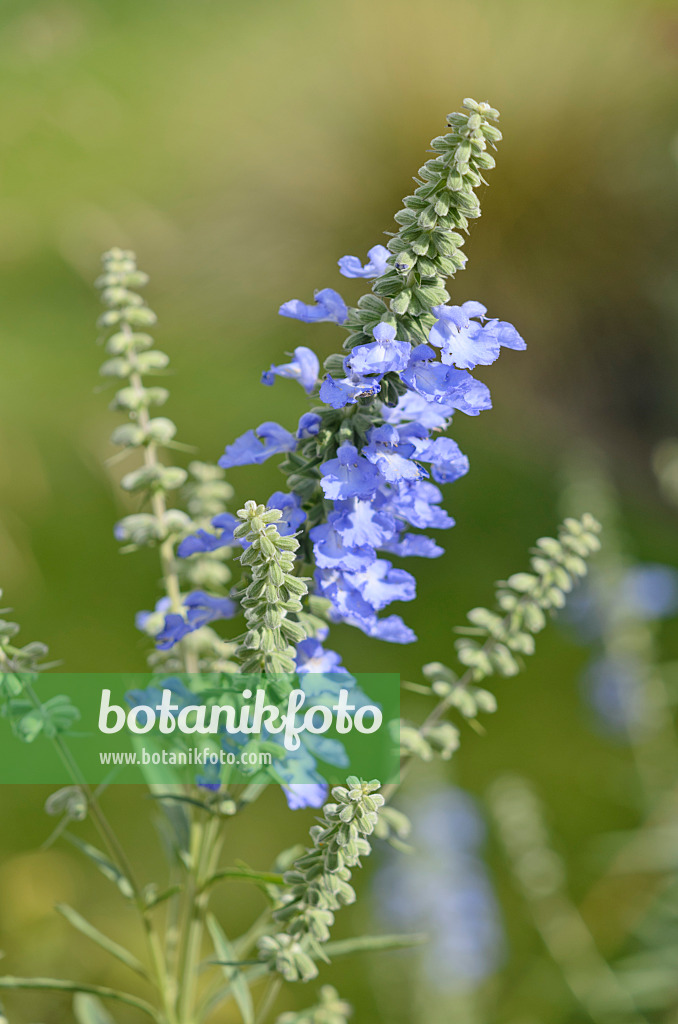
x,y
83,926
59,985
373,943
154,899
105,866
54,716
88,1009
238,984
259,877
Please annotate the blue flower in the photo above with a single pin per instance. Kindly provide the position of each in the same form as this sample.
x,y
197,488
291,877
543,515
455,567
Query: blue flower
x,y
313,658
384,355
329,305
417,504
350,266
303,368
411,406
361,522
292,513
380,584
473,398
447,460
614,688
305,794
144,620
327,749
464,342
349,604
392,629
210,777
467,348
207,607
350,475
445,891
432,379
414,544
391,455
309,425
256,446
152,695
508,336
200,609
347,391
174,630
331,552
650,591
324,689
202,542
304,786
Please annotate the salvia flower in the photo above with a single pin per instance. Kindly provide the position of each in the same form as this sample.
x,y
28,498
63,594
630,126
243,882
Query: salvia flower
x,y
199,609
365,468
377,256
256,446
328,305
303,368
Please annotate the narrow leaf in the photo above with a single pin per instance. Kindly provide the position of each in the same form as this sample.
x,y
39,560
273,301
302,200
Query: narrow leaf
x,y
58,985
373,943
105,866
260,877
153,901
119,952
89,1010
239,987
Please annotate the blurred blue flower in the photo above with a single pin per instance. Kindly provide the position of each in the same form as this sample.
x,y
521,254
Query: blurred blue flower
x,y
200,608
152,695
313,658
613,687
650,591
445,891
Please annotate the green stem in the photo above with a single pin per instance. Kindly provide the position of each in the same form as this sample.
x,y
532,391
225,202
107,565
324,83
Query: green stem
x,y
116,850
159,506
206,847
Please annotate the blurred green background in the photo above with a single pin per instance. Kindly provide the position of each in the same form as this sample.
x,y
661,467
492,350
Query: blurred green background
x,y
240,149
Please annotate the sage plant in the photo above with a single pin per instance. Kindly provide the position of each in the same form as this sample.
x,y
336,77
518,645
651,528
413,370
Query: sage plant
x,y
364,468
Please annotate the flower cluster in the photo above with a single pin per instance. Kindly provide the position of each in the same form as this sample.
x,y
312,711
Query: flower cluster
x,y
194,588
319,882
364,467
271,595
329,1009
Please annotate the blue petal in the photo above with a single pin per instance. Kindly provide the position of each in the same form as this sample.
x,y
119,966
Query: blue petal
x,y
350,266
329,306
303,368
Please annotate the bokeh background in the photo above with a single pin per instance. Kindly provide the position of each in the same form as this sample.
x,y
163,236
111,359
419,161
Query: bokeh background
x,y
240,149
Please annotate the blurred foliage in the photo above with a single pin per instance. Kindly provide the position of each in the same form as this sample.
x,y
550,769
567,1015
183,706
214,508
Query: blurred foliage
x,y
241,149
